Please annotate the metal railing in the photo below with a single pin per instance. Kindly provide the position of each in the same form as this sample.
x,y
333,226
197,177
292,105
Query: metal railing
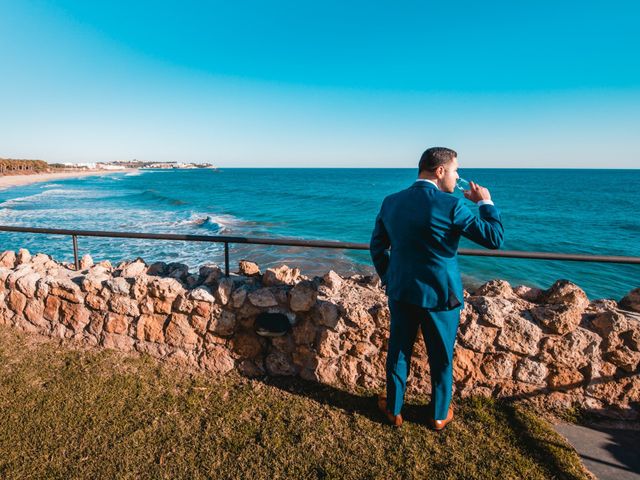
x,y
292,242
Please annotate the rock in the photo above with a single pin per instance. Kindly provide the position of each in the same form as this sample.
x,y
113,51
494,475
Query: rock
x,y
625,358
74,315
65,289
96,302
519,336
558,318
575,349
23,256
116,323
567,293
16,301
465,364
150,328
133,269
498,366
238,297
28,283
224,324
329,344
51,308
332,280
304,332
246,344
124,306
263,297
326,371
86,262
210,274
224,290
278,363
34,312
492,309
631,301
202,294
179,333
165,288
248,269
8,259
477,337
94,281
530,294
329,314
302,297
199,323
118,285
157,269
348,370
217,359
530,371
176,270
609,321
282,275
114,341
495,288
565,378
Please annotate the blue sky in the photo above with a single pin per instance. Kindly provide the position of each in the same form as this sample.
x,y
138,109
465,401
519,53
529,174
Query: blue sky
x,y
296,84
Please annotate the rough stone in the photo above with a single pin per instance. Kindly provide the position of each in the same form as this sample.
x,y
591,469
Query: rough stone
x,y
248,269
477,337
495,288
16,301
23,256
27,284
133,269
519,335
118,286
575,349
329,314
281,276
625,358
238,297
263,297
116,323
223,324
179,333
530,371
8,259
151,328
559,318
217,359
279,364
224,290
74,315
302,297
530,294
631,301
202,294
332,280
498,366
565,292
86,262
565,378
124,305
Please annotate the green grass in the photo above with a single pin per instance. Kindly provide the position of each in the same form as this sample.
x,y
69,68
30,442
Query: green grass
x,y
73,413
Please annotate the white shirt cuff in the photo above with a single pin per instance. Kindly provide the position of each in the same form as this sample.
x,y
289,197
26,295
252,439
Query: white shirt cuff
x,y
485,202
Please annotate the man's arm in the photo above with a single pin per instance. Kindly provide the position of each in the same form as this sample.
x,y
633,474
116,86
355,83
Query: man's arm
x,y
379,248
485,229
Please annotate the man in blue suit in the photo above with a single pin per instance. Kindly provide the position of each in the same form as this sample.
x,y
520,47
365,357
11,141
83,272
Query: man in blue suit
x,y
414,250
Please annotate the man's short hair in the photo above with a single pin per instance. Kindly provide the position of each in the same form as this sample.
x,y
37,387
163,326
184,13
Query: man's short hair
x,y
433,157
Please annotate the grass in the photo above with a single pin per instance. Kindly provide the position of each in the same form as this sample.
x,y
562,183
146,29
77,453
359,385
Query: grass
x,y
76,413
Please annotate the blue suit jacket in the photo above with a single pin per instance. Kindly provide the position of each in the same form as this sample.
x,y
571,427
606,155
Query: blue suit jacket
x,y
414,245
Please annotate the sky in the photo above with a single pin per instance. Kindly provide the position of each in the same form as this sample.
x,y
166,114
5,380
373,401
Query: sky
x,y
541,84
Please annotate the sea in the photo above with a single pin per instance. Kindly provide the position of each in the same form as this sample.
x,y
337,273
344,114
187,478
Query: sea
x,y
544,210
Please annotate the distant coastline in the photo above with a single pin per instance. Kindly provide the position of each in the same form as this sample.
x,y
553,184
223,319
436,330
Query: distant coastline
x,y
8,181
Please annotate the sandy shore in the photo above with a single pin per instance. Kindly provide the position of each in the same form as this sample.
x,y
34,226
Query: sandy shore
x,y
8,181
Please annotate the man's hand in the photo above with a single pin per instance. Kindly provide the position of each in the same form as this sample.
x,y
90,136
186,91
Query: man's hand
x,y
477,193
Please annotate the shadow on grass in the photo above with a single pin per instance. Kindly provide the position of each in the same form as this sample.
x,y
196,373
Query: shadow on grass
x,y
535,438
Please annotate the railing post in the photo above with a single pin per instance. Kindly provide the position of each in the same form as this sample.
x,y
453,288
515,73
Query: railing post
x,y
75,251
226,259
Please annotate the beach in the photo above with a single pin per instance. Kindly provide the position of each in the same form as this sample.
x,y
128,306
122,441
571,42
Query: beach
x,y
7,181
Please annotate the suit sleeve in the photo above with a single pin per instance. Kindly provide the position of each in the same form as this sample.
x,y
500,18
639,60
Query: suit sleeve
x,y
379,248
484,229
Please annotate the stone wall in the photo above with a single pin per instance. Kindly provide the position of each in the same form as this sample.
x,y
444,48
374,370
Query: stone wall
x,y
554,347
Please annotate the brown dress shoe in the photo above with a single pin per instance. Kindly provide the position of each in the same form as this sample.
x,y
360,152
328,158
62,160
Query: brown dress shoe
x,y
395,420
440,424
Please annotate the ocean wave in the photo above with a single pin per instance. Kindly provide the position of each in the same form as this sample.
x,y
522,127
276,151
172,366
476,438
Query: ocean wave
x,y
55,192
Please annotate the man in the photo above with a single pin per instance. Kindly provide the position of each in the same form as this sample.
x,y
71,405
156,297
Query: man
x,y
414,250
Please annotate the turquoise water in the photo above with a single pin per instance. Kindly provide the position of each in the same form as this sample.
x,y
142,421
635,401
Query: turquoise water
x,y
570,211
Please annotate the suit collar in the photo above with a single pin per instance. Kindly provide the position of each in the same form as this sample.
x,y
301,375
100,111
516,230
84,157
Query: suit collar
x,y
424,184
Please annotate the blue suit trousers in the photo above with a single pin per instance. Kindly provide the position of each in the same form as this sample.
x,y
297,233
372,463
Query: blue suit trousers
x,y
439,329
